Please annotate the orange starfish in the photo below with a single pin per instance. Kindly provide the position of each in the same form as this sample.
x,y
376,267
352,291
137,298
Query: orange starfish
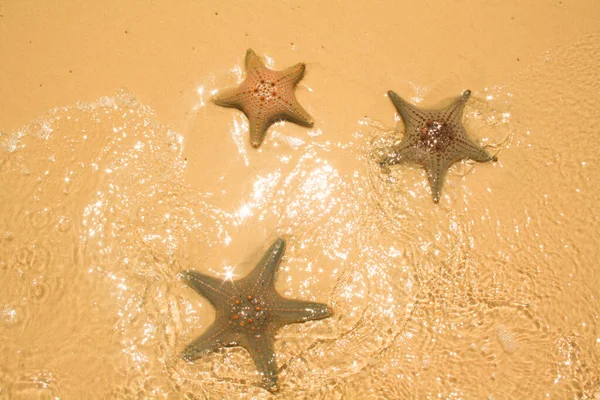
x,y
266,96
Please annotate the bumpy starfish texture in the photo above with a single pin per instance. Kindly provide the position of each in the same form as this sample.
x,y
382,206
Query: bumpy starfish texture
x,y
435,139
248,312
266,96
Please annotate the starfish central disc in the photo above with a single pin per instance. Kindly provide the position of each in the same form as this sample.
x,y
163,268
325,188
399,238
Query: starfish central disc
x,y
435,137
249,313
265,91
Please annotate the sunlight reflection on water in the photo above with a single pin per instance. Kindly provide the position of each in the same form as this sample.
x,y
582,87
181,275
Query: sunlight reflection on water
x,y
104,221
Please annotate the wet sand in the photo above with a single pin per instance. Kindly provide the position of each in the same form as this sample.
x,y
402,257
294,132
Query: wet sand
x,y
117,172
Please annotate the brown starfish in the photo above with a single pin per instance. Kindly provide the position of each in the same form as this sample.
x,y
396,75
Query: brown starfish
x,y
266,96
434,139
249,311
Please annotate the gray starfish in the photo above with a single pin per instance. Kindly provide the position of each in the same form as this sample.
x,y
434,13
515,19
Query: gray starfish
x,y
249,311
434,139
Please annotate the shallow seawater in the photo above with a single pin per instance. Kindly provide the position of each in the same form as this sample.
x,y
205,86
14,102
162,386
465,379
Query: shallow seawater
x,y
474,297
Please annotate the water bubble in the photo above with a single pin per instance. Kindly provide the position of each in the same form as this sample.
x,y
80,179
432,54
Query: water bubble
x,y
23,256
39,292
12,316
64,224
8,236
506,339
41,218
33,257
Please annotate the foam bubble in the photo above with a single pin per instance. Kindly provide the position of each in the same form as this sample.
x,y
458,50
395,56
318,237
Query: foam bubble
x,y
506,339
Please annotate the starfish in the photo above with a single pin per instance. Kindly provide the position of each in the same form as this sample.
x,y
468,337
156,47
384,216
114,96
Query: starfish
x,y
435,139
266,96
248,312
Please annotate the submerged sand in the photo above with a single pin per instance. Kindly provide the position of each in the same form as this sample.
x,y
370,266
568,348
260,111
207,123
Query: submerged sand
x,y
117,172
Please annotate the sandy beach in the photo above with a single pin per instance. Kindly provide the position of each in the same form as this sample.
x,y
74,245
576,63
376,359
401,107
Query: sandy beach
x,y
118,172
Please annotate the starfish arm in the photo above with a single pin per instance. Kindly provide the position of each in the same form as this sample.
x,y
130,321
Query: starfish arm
x,y
234,97
454,110
436,171
407,111
253,63
261,350
467,149
216,336
258,125
292,75
214,289
263,275
293,111
289,311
